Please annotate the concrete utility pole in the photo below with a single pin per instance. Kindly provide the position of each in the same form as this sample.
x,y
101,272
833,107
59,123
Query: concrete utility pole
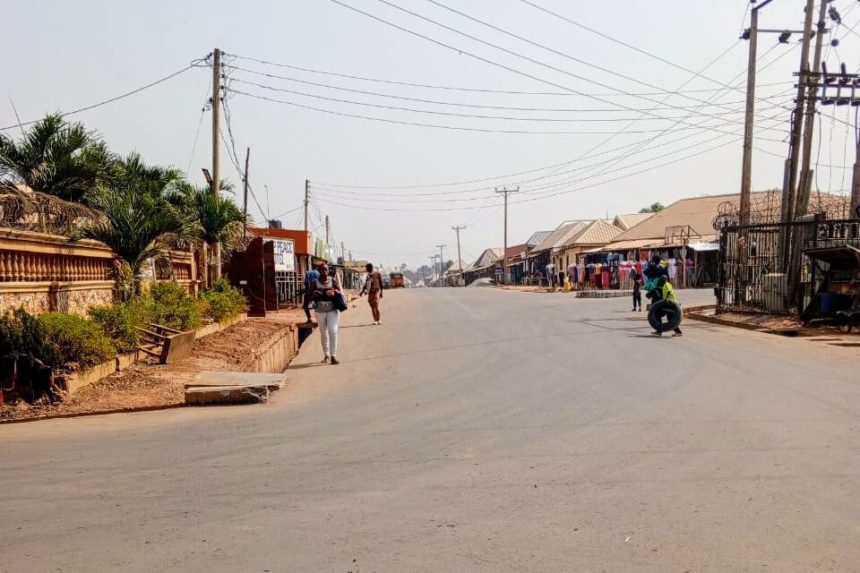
x,y
245,200
343,252
459,257
788,192
505,191
441,261
216,146
805,186
307,198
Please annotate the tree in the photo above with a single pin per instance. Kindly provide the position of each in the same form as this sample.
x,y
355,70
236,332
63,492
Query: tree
x,y
56,158
134,224
213,219
652,208
137,220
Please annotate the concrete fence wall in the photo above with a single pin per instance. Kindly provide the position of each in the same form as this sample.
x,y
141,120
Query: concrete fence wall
x,y
40,272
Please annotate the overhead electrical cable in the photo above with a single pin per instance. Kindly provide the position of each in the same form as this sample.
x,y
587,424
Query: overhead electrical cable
x,y
124,95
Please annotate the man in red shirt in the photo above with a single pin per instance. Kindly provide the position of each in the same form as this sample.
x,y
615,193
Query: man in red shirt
x,y
373,288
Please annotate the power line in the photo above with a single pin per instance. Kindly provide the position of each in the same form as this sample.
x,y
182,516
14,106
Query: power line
x,y
542,197
452,114
464,89
193,64
471,105
462,128
539,45
387,198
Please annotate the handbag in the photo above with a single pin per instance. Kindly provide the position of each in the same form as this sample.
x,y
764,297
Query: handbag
x,y
339,302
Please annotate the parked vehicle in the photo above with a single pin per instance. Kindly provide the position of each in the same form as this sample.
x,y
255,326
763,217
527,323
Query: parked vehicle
x,y
396,280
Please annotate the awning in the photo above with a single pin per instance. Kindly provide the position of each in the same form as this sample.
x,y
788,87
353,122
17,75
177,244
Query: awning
x,y
841,254
630,245
702,247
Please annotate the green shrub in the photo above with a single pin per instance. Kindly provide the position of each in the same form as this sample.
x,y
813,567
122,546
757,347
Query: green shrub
x,y
21,336
171,305
70,339
119,321
223,301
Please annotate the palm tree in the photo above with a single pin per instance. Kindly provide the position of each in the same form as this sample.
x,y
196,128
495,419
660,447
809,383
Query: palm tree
x,y
133,224
56,158
215,219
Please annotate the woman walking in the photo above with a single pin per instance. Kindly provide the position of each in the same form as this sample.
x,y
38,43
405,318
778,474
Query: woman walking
x,y
324,289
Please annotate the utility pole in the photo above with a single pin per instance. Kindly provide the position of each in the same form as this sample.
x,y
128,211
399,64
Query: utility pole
x,y
307,198
457,229
327,231
805,185
216,146
245,200
749,119
441,261
343,253
432,267
788,192
505,191
855,184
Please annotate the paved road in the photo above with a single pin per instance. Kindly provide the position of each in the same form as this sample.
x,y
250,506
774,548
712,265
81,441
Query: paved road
x,y
476,430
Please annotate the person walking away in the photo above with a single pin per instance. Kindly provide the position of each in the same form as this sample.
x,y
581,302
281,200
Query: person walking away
x,y
667,292
328,317
373,288
637,292
310,278
652,274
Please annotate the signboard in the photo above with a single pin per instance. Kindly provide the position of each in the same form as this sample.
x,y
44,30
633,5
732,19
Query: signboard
x,y
498,271
284,254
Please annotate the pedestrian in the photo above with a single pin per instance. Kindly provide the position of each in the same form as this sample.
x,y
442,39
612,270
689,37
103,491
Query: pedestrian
x,y
310,278
324,289
637,292
667,292
652,273
373,288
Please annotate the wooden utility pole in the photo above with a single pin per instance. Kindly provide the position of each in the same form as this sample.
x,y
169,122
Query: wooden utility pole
x,y
245,199
307,197
505,191
805,185
327,231
441,262
216,145
459,256
855,184
749,119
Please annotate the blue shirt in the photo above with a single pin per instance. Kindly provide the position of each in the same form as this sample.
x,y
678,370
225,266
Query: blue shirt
x,y
310,277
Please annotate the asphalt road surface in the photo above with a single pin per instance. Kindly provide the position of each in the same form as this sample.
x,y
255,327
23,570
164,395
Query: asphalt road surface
x,y
475,430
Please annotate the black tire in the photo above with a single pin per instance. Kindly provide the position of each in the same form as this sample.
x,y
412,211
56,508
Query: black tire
x,y
664,316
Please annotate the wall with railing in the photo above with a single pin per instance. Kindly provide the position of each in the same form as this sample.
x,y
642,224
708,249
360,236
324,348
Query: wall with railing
x,y
42,272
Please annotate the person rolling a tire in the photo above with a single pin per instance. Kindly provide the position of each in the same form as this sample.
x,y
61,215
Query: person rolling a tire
x,y
665,313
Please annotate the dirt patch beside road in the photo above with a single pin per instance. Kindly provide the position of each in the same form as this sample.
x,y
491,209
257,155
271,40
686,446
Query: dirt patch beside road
x,y
151,386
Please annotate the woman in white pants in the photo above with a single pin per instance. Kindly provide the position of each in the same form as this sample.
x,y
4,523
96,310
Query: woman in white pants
x,y
328,317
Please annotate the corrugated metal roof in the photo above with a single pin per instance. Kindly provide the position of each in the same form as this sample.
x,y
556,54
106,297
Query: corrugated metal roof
x,y
537,237
561,233
630,220
597,232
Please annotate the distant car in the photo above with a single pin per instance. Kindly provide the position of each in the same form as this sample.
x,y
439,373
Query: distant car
x,y
483,282
396,280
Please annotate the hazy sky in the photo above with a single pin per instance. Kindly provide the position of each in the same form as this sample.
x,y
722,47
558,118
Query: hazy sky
x,y
64,55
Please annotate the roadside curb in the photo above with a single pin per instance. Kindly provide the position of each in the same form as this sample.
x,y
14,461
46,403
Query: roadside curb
x,y
99,413
695,314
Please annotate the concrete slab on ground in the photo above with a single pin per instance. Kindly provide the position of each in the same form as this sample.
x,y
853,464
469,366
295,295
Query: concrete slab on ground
x,y
205,395
229,379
